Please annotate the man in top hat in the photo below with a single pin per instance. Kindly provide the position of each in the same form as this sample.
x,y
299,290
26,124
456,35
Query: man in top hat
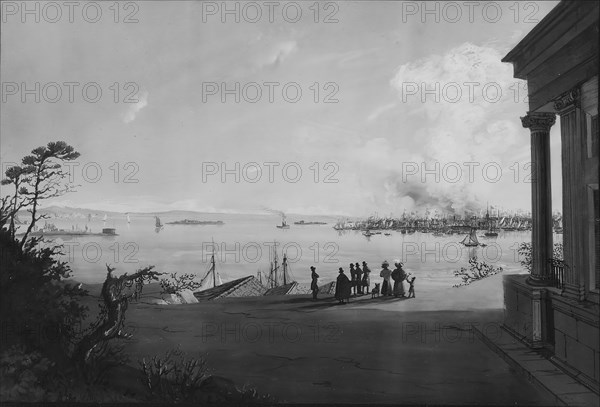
x,y
359,282
366,276
314,285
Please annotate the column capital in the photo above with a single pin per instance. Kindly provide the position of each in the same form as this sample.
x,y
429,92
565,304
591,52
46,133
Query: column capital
x,y
567,100
538,121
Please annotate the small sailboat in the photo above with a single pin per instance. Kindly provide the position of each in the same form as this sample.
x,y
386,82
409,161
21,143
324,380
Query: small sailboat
x,y
128,219
105,218
471,239
284,224
157,223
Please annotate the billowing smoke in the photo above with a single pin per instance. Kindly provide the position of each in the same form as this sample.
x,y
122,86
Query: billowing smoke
x,y
462,119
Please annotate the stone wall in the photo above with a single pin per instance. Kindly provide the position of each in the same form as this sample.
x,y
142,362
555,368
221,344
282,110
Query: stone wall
x,y
518,313
576,339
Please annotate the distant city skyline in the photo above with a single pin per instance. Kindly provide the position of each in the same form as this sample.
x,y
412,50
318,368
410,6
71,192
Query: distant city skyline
x,y
377,112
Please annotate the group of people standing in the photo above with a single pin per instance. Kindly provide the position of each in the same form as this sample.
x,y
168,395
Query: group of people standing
x,y
398,275
360,281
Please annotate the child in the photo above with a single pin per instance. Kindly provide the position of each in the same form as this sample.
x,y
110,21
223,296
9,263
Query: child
x,y
411,290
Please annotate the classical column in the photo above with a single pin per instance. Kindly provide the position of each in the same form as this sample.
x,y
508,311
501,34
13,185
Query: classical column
x,y
541,195
572,137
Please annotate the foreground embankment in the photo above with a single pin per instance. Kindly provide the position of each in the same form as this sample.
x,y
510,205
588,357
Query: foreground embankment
x,y
382,350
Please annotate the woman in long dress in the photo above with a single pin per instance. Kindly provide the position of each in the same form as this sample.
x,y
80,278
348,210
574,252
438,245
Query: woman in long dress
x,y
343,287
386,273
399,275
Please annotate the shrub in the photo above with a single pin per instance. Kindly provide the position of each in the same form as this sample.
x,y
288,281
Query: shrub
x,y
175,284
34,295
173,378
476,271
23,375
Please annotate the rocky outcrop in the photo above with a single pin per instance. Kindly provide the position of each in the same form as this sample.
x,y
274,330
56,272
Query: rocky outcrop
x,y
187,297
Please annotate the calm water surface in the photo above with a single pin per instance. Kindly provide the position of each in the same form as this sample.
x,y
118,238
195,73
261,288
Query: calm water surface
x,y
245,244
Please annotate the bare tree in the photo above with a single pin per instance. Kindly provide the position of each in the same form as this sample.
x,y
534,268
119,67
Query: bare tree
x,y
116,294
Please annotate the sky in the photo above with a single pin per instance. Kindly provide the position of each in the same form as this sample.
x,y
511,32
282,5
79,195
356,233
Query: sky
x,y
343,108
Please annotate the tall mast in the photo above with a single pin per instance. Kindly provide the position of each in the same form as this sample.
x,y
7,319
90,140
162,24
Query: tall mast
x,y
212,260
284,269
275,267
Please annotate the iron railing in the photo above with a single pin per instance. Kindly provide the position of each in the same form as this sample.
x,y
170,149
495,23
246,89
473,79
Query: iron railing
x,y
557,273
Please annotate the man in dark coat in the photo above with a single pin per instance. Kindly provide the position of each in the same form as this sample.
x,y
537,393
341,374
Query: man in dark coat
x,y
359,283
353,281
342,287
314,285
366,276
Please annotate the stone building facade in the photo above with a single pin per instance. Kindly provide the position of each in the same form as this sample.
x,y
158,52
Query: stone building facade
x,y
556,307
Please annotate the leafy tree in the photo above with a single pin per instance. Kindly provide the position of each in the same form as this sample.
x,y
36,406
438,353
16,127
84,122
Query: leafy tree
x,y
526,251
40,177
16,176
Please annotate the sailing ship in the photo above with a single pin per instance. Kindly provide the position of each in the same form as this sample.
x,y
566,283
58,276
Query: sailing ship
x,y
491,231
212,278
128,219
558,227
274,277
157,222
105,218
471,239
284,224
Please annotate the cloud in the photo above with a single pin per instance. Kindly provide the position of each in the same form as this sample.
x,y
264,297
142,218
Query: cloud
x,y
278,53
135,108
464,126
380,110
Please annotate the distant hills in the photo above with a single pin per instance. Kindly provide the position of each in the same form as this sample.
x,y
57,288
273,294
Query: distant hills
x,y
67,211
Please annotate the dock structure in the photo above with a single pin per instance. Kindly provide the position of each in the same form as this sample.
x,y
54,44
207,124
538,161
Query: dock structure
x,y
284,289
242,287
328,288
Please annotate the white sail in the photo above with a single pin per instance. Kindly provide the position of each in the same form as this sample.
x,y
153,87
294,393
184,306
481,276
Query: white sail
x,y
128,219
105,217
470,239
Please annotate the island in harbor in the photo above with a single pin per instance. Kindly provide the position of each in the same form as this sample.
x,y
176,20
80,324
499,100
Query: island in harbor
x,y
196,222
66,233
301,222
